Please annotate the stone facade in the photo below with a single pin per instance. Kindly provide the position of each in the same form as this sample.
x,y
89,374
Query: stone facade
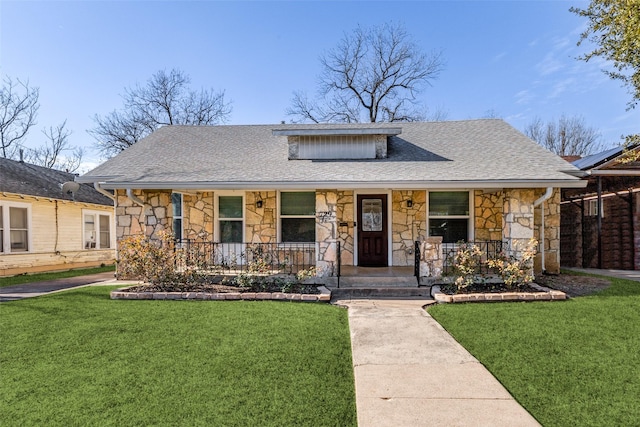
x,y
260,222
408,224
517,227
345,217
197,215
507,215
431,257
488,215
326,231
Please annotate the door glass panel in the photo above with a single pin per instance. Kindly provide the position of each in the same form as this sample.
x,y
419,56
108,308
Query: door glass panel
x,y
371,215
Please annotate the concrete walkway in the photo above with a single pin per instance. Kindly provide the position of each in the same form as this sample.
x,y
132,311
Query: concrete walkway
x,y
410,372
27,290
620,274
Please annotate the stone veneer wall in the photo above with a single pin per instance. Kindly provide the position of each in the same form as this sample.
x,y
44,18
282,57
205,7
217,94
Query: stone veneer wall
x,y
408,224
345,214
551,233
488,215
326,229
134,219
197,215
260,223
517,228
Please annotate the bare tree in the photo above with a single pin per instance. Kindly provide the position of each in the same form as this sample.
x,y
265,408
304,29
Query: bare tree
x,y
18,111
375,75
56,152
566,137
164,100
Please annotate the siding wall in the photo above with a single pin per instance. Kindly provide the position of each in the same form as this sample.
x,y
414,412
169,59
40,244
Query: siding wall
x,y
55,237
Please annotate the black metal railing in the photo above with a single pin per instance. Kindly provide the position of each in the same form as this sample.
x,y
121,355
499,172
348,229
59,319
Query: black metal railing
x,y
416,261
338,262
489,249
237,258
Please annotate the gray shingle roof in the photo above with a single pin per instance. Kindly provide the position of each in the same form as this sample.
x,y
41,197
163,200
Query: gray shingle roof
x,y
24,178
482,152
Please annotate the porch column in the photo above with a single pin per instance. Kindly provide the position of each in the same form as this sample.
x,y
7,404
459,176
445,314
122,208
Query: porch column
x,y
517,224
326,228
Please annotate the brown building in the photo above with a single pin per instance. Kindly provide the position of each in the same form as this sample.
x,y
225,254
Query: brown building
x,y
600,224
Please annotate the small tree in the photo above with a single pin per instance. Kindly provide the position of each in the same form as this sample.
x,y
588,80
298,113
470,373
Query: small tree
x,y
373,75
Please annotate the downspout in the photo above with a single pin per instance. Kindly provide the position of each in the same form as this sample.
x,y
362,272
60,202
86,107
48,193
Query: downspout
x,y
546,196
135,199
101,190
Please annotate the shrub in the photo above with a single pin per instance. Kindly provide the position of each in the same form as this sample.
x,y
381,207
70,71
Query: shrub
x,y
465,264
516,271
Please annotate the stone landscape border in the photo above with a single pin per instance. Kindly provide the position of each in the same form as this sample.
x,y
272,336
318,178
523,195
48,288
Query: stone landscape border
x,y
545,294
323,296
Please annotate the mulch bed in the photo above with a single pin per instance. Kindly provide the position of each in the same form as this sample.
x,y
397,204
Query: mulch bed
x,y
570,284
224,287
573,285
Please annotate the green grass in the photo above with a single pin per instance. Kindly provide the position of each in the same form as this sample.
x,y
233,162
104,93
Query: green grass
x,y
78,358
568,363
41,277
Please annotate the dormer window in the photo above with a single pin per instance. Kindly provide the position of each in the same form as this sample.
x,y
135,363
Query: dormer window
x,y
335,144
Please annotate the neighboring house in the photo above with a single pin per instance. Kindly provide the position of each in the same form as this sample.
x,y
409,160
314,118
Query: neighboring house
x,y
370,190
43,228
601,222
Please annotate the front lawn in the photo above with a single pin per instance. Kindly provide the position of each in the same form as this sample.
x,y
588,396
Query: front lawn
x,y
79,358
568,363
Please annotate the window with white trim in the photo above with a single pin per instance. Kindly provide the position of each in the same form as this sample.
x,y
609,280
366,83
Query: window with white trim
x,y
176,203
592,208
298,217
14,227
96,229
230,219
448,215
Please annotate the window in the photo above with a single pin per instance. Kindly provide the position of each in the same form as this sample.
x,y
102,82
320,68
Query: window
x,y
14,227
592,208
176,202
96,230
298,217
230,223
449,215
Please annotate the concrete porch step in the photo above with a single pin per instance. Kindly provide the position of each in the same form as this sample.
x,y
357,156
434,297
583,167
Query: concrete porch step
x,y
373,282
369,292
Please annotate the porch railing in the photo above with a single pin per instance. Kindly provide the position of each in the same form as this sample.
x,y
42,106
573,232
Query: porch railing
x,y
490,249
237,258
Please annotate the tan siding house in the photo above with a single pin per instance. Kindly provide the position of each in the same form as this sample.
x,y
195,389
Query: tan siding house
x,y
43,228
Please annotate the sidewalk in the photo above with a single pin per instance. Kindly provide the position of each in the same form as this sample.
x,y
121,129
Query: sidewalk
x,y
27,290
410,372
620,274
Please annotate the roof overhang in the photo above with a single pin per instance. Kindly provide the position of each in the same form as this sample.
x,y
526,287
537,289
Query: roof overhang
x,y
337,132
310,185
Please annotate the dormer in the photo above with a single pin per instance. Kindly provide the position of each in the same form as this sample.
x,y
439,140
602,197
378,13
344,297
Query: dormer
x,y
337,144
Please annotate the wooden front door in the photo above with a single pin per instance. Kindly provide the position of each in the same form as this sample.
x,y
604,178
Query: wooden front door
x,y
372,230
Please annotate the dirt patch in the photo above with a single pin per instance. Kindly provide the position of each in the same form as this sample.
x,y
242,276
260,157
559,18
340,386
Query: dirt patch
x,y
573,285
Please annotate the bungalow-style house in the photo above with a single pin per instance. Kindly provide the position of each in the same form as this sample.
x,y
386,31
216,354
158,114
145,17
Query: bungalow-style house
x,y
601,223
48,222
358,194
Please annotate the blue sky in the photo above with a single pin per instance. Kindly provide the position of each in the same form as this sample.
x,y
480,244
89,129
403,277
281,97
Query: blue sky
x,y
515,59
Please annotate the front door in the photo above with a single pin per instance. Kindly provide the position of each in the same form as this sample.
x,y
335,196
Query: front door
x,y
372,230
